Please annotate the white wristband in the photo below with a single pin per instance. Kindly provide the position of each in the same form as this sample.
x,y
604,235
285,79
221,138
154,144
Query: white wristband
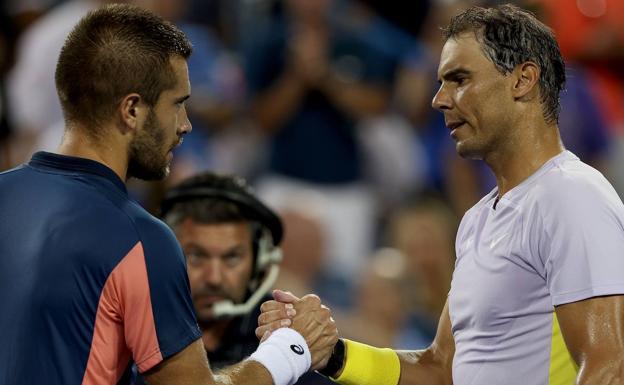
x,y
285,354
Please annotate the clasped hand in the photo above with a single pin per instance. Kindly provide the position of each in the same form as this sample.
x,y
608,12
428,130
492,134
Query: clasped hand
x,y
307,316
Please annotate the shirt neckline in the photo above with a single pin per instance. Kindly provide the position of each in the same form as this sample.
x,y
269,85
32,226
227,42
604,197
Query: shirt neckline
x,y
52,161
509,195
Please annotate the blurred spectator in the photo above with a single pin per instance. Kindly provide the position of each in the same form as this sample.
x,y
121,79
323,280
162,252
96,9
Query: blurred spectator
x,y
410,280
20,7
309,210
380,315
393,158
223,138
8,34
591,34
302,250
33,101
583,127
424,231
313,79
25,12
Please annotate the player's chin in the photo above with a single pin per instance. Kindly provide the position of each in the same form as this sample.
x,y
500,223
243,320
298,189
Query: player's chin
x,y
158,174
462,149
467,150
166,170
164,167
149,173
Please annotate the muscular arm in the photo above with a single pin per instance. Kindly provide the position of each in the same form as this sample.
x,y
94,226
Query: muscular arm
x,y
190,367
431,366
593,330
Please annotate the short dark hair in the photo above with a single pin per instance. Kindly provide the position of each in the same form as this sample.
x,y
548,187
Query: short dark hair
x,y
114,51
209,209
510,36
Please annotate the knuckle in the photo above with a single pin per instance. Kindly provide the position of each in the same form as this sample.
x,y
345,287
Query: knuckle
x,y
312,299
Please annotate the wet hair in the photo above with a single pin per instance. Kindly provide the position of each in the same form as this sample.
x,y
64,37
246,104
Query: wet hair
x,y
510,36
114,51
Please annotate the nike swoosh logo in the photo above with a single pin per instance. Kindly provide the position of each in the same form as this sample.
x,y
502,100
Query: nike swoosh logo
x,y
497,240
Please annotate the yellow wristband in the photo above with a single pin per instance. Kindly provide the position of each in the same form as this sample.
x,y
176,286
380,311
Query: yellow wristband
x,y
367,365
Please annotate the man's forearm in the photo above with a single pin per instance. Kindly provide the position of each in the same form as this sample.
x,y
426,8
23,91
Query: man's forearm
x,y
606,371
279,360
368,365
246,372
420,367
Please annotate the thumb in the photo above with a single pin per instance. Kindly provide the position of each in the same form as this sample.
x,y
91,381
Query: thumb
x,y
284,296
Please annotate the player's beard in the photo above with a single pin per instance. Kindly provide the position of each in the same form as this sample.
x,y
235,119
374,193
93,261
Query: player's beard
x,y
147,157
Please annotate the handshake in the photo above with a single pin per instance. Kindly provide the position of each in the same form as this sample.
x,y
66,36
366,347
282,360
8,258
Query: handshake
x,y
299,334
310,319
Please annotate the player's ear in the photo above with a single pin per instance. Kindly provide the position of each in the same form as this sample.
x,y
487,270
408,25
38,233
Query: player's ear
x,y
526,77
132,112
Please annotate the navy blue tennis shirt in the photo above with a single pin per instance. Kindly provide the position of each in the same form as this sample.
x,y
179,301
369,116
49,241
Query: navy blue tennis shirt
x,y
89,281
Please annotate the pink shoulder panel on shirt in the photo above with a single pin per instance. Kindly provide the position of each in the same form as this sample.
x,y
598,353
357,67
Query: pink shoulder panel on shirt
x,y
124,323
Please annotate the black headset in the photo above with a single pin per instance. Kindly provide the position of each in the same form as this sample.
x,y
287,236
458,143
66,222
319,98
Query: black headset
x,y
249,205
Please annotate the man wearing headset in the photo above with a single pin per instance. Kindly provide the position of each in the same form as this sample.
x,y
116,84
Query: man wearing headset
x,y
230,240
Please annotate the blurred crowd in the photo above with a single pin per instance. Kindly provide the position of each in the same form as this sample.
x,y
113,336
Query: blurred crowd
x,y
324,105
